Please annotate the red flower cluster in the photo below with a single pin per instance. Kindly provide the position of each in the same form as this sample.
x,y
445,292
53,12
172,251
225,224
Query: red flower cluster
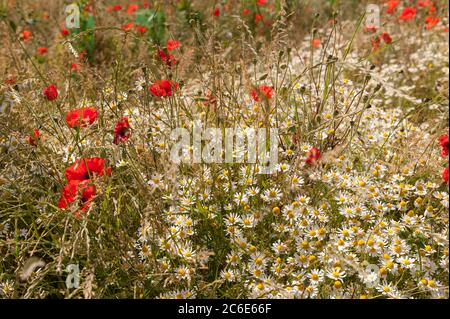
x,y
72,189
313,156
81,117
42,50
263,90
132,8
168,58
10,81
427,4
79,177
315,43
164,54
141,29
51,92
370,28
116,7
32,139
431,22
424,3
87,168
172,44
128,26
386,37
216,12
392,4
64,32
445,175
258,17
26,35
376,41
122,131
443,142
163,88
408,13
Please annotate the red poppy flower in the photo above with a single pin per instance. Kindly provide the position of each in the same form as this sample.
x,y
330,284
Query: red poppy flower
x,y
64,32
392,4
163,88
432,10
261,2
315,43
264,90
132,8
216,12
424,3
26,34
116,7
375,43
246,12
89,8
79,182
128,26
71,190
370,28
79,171
408,14
81,117
32,139
312,156
168,58
386,37
141,29
443,141
51,92
122,131
42,50
258,17
172,45
74,67
10,81
431,22
445,175
82,190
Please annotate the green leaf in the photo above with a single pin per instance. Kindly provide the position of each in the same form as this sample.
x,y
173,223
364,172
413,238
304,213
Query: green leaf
x,y
90,22
13,25
154,21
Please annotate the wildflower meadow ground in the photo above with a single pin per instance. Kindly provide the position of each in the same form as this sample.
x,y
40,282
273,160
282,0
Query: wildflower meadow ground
x,y
224,149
